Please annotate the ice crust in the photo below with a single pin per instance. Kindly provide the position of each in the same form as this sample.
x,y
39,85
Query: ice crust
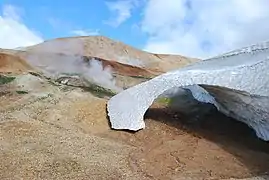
x,y
237,83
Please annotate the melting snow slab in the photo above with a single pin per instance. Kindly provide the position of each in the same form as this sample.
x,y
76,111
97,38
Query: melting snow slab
x,y
237,83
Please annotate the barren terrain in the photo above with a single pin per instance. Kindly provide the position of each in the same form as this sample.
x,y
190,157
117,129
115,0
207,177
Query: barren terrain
x,y
53,130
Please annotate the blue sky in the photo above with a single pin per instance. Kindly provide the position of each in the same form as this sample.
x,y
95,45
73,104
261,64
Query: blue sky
x,y
58,18
188,27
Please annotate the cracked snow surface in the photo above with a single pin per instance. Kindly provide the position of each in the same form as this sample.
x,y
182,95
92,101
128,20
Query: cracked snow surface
x,y
237,84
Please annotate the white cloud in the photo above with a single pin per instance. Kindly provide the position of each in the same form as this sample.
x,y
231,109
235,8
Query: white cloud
x,y
204,28
13,33
81,32
122,9
12,12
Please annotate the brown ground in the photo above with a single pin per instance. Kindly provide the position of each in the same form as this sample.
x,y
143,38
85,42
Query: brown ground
x,y
60,132
63,133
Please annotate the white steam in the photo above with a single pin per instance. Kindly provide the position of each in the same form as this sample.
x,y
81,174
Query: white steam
x,y
60,57
100,75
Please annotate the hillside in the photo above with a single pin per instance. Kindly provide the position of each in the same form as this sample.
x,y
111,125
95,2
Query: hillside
x,y
125,65
105,48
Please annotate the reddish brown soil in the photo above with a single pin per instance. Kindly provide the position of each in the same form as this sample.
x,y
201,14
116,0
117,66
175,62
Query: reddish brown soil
x,y
128,70
217,147
14,64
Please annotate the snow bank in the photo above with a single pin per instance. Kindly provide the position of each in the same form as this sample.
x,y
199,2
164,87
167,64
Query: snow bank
x,y
238,81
